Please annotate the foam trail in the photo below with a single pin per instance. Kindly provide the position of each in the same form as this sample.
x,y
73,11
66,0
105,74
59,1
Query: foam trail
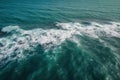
x,y
20,40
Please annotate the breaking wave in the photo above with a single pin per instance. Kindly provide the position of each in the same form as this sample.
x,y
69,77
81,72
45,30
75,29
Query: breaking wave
x,y
19,39
18,43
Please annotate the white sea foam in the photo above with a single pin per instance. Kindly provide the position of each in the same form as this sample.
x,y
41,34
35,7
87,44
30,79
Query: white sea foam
x,y
20,40
95,30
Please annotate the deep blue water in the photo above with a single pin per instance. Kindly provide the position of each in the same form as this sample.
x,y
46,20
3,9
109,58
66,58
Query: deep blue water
x,y
59,39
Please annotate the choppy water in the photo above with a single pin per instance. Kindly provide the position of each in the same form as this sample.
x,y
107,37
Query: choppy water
x,y
60,40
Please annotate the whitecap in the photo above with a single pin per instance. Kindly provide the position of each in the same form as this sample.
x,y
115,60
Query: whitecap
x,y
21,39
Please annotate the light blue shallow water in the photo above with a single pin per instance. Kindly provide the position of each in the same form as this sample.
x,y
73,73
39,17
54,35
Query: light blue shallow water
x,y
60,40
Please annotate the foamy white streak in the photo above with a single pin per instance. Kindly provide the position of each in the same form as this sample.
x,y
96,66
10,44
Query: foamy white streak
x,y
21,40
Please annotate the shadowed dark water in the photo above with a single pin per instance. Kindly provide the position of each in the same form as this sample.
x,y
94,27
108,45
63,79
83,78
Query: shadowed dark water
x,y
59,40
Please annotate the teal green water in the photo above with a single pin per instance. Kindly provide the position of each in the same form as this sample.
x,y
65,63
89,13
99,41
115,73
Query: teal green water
x,y
60,40
42,12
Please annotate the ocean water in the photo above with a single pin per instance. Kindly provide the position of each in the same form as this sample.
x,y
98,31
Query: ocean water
x,y
60,40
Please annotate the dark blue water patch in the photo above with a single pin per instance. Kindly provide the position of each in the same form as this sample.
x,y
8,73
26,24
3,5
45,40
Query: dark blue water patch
x,y
2,34
4,62
1,45
86,23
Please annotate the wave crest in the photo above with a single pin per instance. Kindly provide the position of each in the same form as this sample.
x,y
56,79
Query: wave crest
x,y
20,40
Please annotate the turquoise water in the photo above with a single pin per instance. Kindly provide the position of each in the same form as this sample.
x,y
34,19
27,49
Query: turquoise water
x,y
60,40
42,12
